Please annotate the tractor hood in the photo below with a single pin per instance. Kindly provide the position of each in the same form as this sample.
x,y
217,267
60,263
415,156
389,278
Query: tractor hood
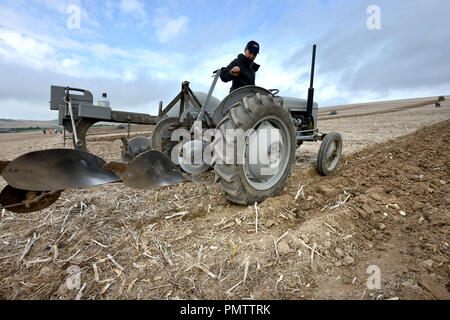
x,y
296,104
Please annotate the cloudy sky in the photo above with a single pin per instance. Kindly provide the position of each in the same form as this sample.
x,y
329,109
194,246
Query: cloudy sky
x,y
140,51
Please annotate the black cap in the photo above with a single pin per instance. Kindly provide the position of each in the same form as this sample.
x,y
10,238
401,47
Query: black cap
x,y
252,46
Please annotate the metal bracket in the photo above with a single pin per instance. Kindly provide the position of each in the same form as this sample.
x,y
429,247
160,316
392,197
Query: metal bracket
x,y
77,141
211,89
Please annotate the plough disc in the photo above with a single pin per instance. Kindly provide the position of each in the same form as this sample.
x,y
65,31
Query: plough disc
x,y
21,201
31,175
151,169
57,169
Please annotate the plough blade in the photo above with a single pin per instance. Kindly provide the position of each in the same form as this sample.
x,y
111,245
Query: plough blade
x,y
57,169
151,169
22,201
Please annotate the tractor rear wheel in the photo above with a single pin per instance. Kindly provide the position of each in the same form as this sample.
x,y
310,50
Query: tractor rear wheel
x,y
270,136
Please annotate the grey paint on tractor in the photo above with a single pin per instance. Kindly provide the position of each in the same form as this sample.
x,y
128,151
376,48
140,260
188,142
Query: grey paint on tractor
x,y
85,110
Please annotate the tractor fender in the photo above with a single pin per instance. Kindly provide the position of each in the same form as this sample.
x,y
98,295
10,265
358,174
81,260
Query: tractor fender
x,y
234,97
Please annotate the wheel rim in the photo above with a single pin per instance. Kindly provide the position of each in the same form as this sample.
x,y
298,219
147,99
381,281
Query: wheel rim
x,y
164,142
332,154
274,152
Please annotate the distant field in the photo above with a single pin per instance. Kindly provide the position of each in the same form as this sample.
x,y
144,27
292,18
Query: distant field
x,y
359,108
8,123
11,126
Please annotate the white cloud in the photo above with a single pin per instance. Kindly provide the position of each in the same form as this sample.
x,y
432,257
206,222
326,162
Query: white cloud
x,y
70,63
168,28
34,53
85,59
133,7
130,5
104,51
129,75
14,46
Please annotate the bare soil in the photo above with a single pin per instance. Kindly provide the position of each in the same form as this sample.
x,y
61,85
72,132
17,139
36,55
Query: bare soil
x,y
386,209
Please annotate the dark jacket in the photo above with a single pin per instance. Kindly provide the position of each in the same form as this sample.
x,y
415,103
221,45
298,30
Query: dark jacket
x,y
246,76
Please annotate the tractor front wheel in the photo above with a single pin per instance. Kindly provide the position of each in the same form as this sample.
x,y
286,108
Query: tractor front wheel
x,y
329,153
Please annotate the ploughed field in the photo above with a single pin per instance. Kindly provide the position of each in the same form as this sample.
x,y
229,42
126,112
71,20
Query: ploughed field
x,y
376,229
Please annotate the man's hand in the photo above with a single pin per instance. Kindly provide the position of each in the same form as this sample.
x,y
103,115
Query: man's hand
x,y
235,71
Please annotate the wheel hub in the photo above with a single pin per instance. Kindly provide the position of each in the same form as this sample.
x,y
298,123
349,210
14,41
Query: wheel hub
x,y
331,156
266,153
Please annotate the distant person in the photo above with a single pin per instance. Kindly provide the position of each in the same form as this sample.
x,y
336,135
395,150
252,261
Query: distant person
x,y
242,69
51,131
44,132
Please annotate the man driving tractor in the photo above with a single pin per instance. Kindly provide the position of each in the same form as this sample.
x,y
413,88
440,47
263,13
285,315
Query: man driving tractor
x,y
242,69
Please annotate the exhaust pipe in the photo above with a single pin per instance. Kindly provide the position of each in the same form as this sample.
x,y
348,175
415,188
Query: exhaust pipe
x,y
309,103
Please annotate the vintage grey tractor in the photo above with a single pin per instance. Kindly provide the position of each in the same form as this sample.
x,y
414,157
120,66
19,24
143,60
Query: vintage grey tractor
x,y
248,139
